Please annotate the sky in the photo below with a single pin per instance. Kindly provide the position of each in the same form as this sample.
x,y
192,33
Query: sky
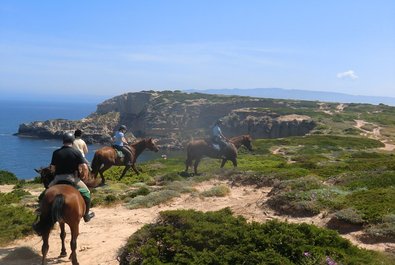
x,y
106,48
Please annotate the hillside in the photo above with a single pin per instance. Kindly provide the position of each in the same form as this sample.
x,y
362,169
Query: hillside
x,y
176,117
339,177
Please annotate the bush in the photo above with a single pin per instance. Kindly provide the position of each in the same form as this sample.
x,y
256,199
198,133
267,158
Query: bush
x,y
372,204
190,237
350,216
217,191
152,199
384,231
15,222
7,177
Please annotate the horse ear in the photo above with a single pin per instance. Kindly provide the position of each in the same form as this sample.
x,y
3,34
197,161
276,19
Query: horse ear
x,y
37,170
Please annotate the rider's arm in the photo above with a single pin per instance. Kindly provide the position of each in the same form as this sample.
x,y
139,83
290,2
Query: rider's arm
x,y
85,148
83,171
52,168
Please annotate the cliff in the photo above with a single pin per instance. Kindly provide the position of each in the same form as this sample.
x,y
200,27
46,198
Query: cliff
x,y
176,117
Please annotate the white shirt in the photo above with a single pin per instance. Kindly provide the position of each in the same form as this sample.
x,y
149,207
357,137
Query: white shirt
x,y
80,145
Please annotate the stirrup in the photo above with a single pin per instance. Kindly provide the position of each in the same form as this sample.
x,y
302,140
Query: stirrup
x,y
88,216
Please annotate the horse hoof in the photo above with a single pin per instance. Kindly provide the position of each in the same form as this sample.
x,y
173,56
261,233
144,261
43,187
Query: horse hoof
x,y
63,254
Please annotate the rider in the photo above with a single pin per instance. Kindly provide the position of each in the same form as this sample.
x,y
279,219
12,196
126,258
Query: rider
x,y
217,135
68,164
120,144
80,145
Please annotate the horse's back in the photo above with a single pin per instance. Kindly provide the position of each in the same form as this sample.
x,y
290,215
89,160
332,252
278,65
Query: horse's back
x,y
73,202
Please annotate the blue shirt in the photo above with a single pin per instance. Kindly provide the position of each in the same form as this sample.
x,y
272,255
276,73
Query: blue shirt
x,y
118,138
217,131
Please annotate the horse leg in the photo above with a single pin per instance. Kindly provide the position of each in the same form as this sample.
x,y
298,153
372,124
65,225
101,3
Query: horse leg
x,y
45,246
63,252
74,227
234,161
135,169
223,162
197,161
188,163
124,172
101,171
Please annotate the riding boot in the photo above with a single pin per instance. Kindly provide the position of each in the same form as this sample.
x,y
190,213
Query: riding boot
x,y
88,215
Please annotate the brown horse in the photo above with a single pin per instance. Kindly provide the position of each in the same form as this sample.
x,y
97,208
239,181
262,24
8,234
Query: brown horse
x,y
107,157
199,148
64,204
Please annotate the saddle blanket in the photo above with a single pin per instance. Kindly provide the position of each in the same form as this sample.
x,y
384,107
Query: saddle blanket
x,y
216,147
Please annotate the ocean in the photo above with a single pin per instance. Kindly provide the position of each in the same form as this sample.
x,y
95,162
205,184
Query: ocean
x,y
21,155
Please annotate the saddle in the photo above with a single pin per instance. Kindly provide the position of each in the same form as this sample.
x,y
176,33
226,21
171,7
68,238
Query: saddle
x,y
119,152
215,145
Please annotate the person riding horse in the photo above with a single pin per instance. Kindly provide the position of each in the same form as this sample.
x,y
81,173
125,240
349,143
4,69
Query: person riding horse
x,y
120,144
68,164
218,137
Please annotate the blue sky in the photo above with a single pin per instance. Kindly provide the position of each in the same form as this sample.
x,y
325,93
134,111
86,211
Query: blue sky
x,y
106,48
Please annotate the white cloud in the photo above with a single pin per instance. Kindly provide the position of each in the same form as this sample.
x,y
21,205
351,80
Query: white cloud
x,y
347,74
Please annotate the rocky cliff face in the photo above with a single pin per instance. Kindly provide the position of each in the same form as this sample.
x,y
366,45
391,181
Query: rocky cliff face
x,y
176,117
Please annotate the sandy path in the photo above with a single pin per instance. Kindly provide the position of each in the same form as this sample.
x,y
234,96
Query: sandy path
x,y
6,188
100,239
375,134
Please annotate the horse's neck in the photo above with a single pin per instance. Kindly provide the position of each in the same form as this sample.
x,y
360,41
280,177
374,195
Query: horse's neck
x,y
237,141
139,147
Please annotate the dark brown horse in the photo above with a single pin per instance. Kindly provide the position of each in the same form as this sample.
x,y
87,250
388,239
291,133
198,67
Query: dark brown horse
x,y
64,204
107,157
197,149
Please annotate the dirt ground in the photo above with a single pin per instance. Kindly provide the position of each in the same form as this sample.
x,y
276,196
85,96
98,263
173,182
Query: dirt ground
x,y
100,239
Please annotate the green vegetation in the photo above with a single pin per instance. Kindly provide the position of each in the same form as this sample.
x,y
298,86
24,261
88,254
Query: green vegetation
x,y
7,177
333,171
15,219
216,191
190,237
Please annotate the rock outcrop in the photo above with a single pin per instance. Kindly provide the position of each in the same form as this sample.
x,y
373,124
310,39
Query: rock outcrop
x,y
176,117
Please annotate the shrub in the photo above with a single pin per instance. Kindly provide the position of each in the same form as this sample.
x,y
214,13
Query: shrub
x,y
190,237
349,215
217,191
7,177
372,204
15,222
152,199
384,231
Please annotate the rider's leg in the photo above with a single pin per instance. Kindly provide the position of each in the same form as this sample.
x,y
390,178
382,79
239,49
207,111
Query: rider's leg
x,y
128,156
87,198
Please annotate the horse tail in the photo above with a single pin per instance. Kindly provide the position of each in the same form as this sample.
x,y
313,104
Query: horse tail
x,y
96,164
57,208
54,214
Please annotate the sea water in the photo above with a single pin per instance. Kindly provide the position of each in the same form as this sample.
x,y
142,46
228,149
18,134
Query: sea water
x,y
21,155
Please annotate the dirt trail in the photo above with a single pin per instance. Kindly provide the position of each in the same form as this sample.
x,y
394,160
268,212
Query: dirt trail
x,y
100,239
374,134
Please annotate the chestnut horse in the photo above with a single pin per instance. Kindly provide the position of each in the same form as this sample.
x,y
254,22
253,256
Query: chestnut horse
x,y
107,157
198,148
64,204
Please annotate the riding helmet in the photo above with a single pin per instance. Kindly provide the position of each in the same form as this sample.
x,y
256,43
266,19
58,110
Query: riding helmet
x,y
68,138
123,127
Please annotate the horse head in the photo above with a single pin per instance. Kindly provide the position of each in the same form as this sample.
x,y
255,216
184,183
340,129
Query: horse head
x,y
46,175
151,145
247,139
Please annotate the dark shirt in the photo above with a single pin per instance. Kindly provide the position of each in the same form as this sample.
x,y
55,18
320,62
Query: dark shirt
x,y
66,160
